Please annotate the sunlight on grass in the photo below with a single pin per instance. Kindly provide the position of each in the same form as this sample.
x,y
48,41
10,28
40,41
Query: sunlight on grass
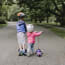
x,y
3,25
58,32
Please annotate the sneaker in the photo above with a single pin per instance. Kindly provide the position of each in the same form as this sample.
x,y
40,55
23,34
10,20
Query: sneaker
x,y
20,53
24,54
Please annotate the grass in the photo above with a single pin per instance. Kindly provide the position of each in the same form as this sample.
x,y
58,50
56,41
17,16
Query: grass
x,y
2,25
59,32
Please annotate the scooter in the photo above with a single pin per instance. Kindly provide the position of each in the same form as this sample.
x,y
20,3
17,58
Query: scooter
x,y
38,52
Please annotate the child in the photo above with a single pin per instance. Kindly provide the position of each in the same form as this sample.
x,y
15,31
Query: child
x,y
21,31
31,34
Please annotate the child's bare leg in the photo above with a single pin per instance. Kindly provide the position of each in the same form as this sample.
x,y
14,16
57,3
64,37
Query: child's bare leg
x,y
23,47
20,47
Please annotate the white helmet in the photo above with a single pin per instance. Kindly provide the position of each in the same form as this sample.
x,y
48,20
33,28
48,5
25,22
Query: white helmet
x,y
30,28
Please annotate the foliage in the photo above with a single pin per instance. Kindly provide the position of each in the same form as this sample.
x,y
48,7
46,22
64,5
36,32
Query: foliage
x,y
2,20
36,10
58,10
59,32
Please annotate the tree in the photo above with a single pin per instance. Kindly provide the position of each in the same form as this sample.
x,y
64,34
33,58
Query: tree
x,y
2,12
58,10
35,7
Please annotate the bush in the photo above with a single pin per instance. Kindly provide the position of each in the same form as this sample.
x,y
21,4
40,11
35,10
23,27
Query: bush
x,y
2,21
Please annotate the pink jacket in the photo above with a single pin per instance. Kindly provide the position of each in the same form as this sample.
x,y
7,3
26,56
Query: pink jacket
x,y
31,36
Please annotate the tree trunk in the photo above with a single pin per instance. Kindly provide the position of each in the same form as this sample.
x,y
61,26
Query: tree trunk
x,y
35,20
47,19
62,23
40,21
31,19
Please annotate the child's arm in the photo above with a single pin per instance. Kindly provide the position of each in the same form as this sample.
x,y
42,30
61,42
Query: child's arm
x,y
38,33
25,27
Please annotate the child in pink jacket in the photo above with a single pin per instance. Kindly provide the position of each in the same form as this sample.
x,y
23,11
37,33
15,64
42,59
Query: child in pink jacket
x,y
31,34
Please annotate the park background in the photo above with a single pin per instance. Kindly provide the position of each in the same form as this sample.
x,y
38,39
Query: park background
x,y
47,16
47,13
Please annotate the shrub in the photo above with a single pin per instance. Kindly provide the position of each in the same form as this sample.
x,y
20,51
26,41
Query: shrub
x,y
2,20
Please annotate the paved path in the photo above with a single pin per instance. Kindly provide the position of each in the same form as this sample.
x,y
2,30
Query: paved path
x,y
52,45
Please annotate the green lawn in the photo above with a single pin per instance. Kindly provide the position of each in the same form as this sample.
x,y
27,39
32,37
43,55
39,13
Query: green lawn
x,y
59,32
3,25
